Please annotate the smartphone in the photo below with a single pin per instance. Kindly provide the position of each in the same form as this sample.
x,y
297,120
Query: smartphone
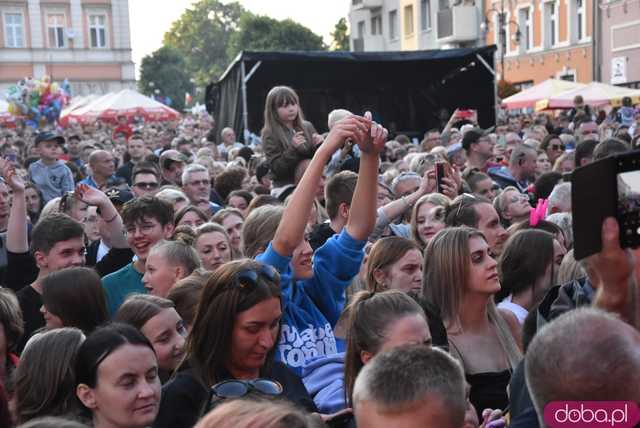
x,y
466,114
609,187
440,174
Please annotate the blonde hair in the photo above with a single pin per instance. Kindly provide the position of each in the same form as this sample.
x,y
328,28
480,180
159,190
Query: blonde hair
x,y
432,198
446,273
260,228
336,116
255,413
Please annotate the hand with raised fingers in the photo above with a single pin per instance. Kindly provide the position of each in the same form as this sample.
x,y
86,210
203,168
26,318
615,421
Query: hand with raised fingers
x,y
90,195
11,177
376,139
428,183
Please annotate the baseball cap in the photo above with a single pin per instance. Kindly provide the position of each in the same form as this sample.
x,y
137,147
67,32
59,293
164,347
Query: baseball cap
x,y
49,136
473,135
118,196
169,156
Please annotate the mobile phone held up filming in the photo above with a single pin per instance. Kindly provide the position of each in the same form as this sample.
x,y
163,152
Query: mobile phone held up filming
x,y
440,174
609,187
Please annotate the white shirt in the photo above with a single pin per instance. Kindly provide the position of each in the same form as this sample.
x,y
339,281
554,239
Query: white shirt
x,y
517,310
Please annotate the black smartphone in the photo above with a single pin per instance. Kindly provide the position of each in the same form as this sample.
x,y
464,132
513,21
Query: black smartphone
x,y
440,174
609,187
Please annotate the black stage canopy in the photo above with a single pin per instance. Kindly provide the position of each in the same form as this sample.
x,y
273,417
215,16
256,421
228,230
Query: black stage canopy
x,y
406,91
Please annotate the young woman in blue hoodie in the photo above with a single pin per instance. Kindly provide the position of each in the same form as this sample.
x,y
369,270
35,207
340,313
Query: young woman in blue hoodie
x,y
313,285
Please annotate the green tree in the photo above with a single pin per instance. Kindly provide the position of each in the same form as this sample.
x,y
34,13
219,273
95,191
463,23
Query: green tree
x,y
165,70
340,36
202,34
261,33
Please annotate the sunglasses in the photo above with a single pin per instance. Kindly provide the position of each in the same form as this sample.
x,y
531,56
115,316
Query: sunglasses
x,y
146,186
239,388
557,147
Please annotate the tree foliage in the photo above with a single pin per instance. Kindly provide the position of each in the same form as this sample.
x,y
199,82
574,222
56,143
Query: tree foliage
x,y
262,33
506,89
165,70
202,35
340,36
210,34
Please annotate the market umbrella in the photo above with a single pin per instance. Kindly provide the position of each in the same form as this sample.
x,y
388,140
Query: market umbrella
x,y
128,103
595,94
542,91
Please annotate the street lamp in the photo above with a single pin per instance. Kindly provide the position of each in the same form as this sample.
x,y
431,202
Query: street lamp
x,y
502,32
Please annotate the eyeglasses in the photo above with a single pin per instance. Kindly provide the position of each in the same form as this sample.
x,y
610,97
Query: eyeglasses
x,y
146,186
557,147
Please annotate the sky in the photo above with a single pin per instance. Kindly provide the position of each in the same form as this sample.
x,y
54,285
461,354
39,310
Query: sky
x,y
150,19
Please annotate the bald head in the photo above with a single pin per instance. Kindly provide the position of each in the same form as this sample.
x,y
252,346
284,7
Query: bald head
x,y
98,156
584,355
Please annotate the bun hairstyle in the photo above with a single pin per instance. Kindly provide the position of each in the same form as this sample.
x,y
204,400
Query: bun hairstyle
x,y
179,252
185,235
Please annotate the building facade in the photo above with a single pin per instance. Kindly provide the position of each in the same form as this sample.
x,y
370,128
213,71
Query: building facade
x,y
401,25
543,39
619,36
85,41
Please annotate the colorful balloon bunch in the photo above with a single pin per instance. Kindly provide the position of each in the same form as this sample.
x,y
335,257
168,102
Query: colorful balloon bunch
x,y
38,102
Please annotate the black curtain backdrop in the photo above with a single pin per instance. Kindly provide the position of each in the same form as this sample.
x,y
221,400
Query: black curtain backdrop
x,y
405,91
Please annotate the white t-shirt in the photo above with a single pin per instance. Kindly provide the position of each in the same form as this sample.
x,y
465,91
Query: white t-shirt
x,y
517,310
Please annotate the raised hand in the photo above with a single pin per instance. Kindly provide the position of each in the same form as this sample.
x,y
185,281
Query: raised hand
x,y
354,128
376,138
11,177
90,195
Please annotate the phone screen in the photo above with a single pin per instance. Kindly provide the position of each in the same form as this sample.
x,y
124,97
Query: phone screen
x,y
629,203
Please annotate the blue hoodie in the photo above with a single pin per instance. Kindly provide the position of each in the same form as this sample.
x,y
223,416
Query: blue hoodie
x,y
311,307
324,379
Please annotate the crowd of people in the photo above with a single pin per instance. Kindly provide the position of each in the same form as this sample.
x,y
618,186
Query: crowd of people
x,y
167,275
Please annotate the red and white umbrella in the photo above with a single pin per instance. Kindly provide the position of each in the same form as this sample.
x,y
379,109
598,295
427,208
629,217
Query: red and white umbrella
x,y
128,103
540,92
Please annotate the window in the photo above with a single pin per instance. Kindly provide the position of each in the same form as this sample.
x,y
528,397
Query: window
x,y
408,20
376,25
525,28
98,31
55,27
550,16
581,19
13,30
425,15
360,29
393,17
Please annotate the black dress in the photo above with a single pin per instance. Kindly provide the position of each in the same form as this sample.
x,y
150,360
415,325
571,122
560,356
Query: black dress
x,y
488,389
185,398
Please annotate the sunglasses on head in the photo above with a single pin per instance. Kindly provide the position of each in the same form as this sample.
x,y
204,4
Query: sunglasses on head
x,y
235,388
249,277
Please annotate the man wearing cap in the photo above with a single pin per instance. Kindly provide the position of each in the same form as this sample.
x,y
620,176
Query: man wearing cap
x,y
171,167
479,148
50,175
